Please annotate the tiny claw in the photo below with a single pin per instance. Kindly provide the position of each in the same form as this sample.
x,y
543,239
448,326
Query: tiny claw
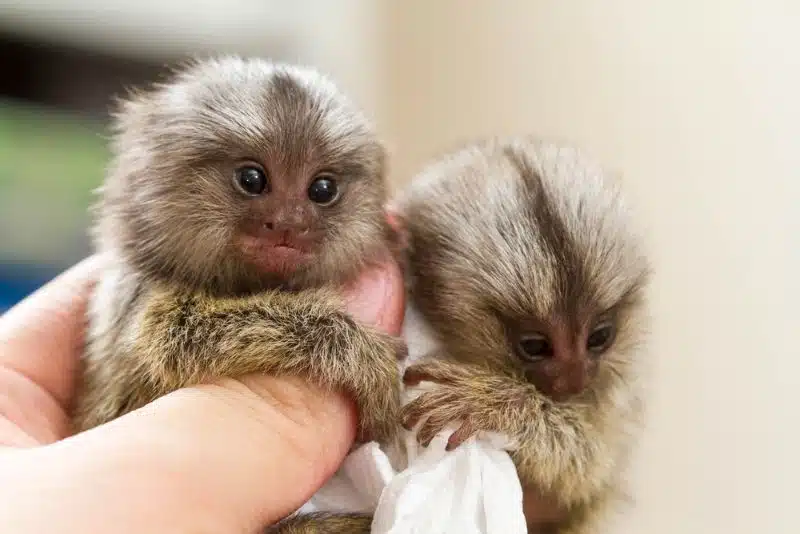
x,y
429,431
459,436
426,440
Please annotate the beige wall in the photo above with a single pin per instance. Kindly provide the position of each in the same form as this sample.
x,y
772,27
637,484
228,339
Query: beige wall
x,y
696,104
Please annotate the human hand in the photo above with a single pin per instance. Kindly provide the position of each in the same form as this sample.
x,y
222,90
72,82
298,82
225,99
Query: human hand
x,y
231,456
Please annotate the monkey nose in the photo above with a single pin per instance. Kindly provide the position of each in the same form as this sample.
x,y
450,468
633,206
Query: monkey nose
x,y
570,382
564,388
285,228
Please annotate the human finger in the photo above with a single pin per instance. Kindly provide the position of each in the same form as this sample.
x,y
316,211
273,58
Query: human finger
x,y
232,456
40,342
378,298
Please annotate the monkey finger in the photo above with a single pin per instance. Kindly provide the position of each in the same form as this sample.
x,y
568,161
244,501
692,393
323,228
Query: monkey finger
x,y
412,412
462,433
427,372
412,377
431,427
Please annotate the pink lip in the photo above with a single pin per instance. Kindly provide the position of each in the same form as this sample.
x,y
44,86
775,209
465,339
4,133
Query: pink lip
x,y
276,258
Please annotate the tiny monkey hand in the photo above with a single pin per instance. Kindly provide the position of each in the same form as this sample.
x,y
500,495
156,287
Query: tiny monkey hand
x,y
231,456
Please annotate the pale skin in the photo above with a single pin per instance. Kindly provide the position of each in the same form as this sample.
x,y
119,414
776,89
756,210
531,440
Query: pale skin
x,y
187,462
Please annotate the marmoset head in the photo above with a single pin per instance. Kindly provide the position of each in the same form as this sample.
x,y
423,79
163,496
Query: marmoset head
x,y
523,257
241,174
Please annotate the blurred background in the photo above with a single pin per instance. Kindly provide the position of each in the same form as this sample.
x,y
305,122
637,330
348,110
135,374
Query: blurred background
x,y
694,103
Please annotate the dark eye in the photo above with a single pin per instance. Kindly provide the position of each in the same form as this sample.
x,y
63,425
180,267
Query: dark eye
x,y
600,337
251,180
323,190
534,347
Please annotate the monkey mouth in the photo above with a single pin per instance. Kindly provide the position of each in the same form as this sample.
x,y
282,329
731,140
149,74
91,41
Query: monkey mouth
x,y
275,257
287,247
286,252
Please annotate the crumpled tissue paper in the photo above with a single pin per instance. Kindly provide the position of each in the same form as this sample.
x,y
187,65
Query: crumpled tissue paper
x,y
473,489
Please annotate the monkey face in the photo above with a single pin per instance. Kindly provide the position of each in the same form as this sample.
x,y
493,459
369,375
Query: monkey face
x,y
283,226
559,359
571,349
525,260
239,174
296,220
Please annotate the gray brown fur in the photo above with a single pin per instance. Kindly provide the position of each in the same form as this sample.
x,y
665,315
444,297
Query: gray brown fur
x,y
177,304
506,229
323,523
167,206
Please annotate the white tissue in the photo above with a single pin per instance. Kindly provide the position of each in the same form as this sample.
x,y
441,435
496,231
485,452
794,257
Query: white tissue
x,y
473,489
357,485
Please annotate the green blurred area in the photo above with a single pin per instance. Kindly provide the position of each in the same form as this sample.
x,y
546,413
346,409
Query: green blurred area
x,y
50,162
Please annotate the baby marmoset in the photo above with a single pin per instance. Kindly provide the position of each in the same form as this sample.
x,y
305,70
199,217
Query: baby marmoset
x,y
239,194
524,261
523,264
